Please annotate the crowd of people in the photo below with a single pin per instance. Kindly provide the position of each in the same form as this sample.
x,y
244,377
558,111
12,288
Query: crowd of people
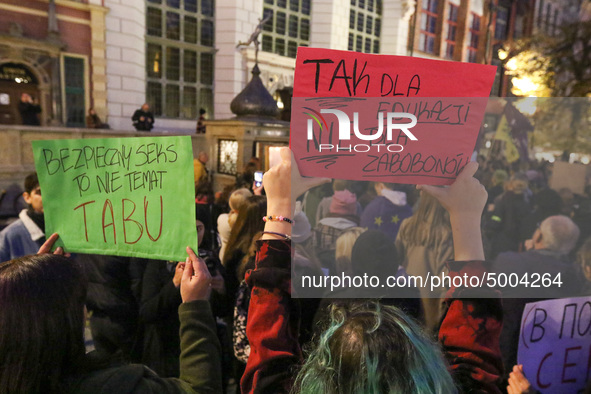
x,y
230,318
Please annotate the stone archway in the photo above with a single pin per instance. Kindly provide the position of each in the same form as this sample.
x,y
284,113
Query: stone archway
x,y
17,76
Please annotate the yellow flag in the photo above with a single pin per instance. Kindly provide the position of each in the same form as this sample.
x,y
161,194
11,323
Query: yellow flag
x,y
504,134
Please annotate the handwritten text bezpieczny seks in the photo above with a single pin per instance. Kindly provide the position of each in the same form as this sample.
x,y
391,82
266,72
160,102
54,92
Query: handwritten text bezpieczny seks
x,y
122,172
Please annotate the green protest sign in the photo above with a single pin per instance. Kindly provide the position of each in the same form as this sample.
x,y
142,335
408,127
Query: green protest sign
x,y
119,196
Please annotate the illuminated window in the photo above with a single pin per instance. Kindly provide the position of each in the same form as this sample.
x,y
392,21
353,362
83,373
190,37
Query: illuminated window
x,y
365,26
227,157
428,26
452,29
288,26
473,38
179,57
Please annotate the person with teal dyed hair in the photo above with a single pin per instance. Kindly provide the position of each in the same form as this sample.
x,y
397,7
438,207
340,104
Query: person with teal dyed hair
x,y
374,348
368,348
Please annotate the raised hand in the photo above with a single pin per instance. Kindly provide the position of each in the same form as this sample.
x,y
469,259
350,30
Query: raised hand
x,y
464,200
465,196
284,184
196,280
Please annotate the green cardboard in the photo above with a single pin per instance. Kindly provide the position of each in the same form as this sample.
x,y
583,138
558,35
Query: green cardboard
x,y
119,196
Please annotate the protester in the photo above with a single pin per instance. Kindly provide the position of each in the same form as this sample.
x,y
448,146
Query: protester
x,y
387,211
200,125
547,203
142,119
499,177
370,348
27,234
158,305
246,178
110,299
341,217
199,167
424,244
344,249
338,185
94,122
374,255
42,345
510,209
29,110
546,254
312,200
248,224
226,220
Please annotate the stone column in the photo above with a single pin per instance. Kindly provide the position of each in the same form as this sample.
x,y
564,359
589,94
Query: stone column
x,y
98,61
235,21
329,24
126,69
395,26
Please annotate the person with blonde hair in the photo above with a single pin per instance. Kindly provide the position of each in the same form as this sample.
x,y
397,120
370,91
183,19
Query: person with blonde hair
x,y
227,220
344,248
424,244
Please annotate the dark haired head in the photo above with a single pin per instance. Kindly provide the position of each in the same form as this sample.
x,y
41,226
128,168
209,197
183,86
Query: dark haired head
x,y
42,319
375,254
31,182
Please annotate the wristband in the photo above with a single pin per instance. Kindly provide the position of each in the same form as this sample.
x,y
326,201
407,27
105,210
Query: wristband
x,y
284,236
274,218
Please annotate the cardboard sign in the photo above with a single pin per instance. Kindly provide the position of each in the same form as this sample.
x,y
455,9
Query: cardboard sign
x,y
555,344
119,196
385,118
567,175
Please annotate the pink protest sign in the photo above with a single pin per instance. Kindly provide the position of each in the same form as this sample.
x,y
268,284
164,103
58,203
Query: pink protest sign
x,y
385,118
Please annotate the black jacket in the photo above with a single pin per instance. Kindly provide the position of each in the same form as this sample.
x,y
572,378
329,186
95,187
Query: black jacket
x,y
29,113
143,125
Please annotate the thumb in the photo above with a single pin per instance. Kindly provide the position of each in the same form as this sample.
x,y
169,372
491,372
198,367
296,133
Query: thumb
x,y
285,154
468,171
188,271
435,191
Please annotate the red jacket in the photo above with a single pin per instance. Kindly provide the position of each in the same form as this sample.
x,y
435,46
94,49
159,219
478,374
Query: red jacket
x,y
469,333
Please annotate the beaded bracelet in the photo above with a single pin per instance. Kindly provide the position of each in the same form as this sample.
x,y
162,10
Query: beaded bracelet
x,y
273,218
284,236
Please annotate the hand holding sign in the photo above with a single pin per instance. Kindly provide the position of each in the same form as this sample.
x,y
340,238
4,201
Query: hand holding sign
x,y
284,184
48,245
464,200
518,383
465,196
195,284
